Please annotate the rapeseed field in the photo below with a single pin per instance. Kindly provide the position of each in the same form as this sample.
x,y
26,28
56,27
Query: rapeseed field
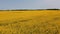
x,y
30,22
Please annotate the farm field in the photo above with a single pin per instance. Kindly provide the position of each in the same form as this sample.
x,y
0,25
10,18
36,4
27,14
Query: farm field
x,y
30,22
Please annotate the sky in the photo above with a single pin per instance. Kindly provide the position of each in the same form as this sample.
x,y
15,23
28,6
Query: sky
x,y
29,4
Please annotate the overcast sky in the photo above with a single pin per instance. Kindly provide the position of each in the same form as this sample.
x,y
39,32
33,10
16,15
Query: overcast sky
x,y
29,4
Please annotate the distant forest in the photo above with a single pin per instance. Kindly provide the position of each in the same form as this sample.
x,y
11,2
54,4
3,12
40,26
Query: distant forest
x,y
28,9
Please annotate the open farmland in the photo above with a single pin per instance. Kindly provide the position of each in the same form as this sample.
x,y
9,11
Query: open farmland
x,y
30,22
